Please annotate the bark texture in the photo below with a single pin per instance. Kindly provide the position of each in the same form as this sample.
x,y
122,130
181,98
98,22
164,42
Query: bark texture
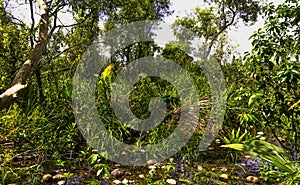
x,y
24,73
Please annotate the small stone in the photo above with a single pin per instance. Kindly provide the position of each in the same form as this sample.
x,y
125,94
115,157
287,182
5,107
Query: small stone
x,y
131,181
263,138
58,177
47,177
199,167
125,181
95,151
117,165
224,169
171,181
218,141
152,167
281,139
117,182
141,176
252,179
260,133
224,176
128,173
61,182
151,161
248,157
211,148
117,172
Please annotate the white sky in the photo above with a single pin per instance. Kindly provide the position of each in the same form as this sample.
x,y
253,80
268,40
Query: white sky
x,y
239,36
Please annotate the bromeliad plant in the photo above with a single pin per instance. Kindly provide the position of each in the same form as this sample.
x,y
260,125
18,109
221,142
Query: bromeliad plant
x,y
237,137
272,154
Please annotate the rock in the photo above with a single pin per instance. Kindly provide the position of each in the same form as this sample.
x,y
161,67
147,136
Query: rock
x,y
117,182
199,167
117,172
47,177
252,179
224,169
224,176
248,157
141,176
131,181
171,181
128,173
263,138
61,182
151,161
58,177
95,151
260,133
117,165
211,148
152,167
125,181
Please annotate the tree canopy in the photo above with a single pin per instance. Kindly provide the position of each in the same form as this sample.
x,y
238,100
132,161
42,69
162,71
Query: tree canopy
x,y
39,135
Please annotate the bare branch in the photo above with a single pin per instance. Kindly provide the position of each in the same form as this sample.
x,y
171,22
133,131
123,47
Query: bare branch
x,y
223,28
32,22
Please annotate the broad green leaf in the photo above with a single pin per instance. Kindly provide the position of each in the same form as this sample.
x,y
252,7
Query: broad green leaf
x,y
267,151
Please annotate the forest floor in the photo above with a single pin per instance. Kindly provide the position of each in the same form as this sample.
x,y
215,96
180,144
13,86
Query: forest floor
x,y
215,166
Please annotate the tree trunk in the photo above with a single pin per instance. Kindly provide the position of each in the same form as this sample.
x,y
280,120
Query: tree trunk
x,y
19,82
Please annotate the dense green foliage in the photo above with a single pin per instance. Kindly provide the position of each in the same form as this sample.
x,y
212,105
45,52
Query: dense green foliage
x,y
273,65
262,93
